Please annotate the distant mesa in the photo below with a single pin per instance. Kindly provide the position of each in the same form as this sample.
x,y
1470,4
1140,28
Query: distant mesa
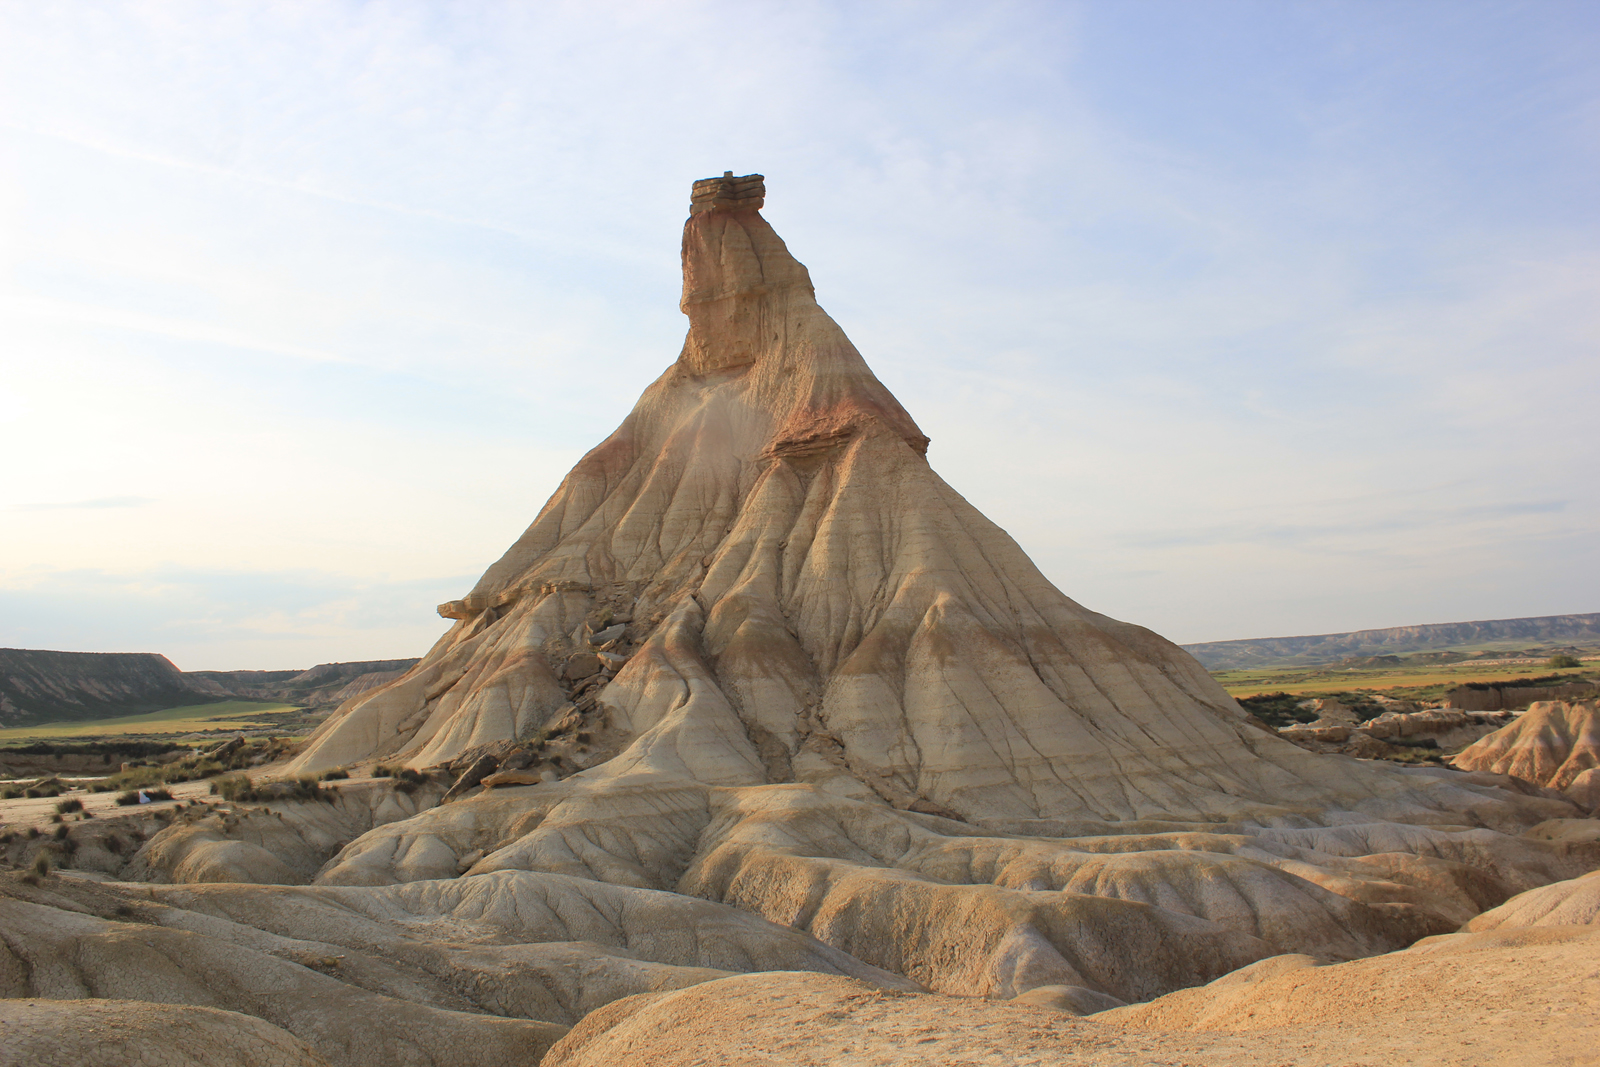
x,y
1358,647
39,687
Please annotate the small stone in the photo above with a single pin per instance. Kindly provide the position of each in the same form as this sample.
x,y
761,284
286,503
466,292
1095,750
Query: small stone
x,y
566,717
500,779
580,666
612,661
608,635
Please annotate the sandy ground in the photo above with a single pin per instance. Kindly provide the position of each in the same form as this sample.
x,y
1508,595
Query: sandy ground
x,y
1527,999
23,812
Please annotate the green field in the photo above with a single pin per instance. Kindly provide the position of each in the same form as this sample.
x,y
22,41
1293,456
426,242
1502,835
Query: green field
x,y
1425,680
195,718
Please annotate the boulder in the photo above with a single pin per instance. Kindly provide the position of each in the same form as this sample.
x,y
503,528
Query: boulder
x,y
579,666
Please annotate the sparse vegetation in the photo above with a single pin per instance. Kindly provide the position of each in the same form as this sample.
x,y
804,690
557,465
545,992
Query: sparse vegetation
x,y
1561,660
234,787
337,774
66,807
381,771
232,756
1277,709
222,717
240,789
131,797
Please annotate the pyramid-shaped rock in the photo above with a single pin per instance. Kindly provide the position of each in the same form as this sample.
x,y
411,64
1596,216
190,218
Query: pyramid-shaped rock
x,y
759,578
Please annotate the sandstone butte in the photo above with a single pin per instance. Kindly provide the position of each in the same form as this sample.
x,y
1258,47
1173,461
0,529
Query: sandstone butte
x,y
770,749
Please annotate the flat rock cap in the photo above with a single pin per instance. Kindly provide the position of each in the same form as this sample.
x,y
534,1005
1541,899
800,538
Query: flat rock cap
x,y
746,193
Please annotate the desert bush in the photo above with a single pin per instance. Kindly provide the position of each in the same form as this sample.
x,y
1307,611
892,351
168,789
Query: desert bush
x,y
235,787
311,789
1561,660
335,775
41,864
137,778
381,771
65,807
131,797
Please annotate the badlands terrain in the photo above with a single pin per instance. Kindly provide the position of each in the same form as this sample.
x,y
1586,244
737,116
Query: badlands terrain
x,y
762,746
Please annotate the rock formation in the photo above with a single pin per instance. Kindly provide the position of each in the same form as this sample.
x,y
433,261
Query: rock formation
x,y
757,692
1554,744
758,578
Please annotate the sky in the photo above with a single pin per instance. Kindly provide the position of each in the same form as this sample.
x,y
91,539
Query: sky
x,y
1245,319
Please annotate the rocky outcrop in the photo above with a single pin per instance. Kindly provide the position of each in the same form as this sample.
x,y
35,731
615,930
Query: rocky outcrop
x,y
1553,743
1437,729
1510,696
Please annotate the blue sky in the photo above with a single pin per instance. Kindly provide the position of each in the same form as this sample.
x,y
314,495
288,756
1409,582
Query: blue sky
x,y
1245,319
